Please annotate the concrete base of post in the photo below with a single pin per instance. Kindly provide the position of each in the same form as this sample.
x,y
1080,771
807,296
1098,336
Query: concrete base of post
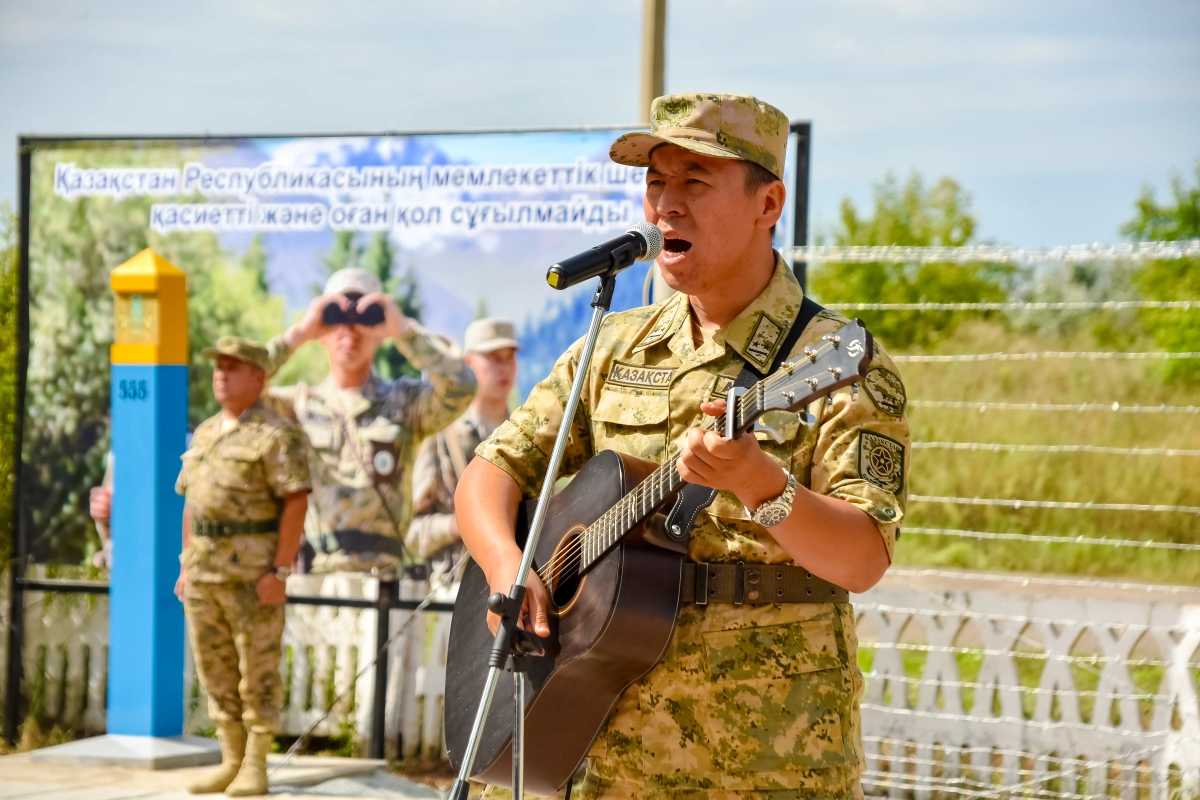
x,y
141,752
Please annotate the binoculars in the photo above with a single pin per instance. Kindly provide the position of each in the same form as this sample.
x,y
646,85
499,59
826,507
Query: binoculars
x,y
370,316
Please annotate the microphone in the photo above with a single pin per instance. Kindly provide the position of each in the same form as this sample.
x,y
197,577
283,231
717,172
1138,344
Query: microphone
x,y
641,242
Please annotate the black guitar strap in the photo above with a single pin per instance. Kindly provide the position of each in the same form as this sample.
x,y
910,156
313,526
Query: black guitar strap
x,y
694,499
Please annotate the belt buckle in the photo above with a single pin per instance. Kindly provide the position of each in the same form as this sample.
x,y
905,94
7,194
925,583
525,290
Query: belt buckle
x,y
701,598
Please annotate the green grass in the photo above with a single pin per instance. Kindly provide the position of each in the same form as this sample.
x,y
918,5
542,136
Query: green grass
x,y
1080,477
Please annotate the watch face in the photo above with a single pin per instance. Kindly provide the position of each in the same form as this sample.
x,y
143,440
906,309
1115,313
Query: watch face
x,y
771,514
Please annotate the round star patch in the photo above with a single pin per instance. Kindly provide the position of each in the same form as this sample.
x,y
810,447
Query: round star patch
x,y
384,463
881,461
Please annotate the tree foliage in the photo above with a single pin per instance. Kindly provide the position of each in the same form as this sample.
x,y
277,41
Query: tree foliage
x,y
9,300
1178,279
74,245
911,215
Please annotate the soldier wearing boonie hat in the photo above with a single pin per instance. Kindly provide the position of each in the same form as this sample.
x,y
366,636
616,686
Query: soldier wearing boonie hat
x,y
364,430
491,351
757,693
245,481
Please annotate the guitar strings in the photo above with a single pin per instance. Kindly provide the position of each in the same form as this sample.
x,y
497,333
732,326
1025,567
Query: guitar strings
x,y
603,526
564,563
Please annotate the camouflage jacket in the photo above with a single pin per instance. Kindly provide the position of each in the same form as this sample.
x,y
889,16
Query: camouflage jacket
x,y
240,475
363,444
746,698
440,463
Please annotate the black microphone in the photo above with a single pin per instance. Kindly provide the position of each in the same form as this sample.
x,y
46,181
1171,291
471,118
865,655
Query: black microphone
x,y
641,242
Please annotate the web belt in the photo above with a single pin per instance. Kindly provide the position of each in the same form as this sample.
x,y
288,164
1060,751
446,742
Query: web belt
x,y
225,527
756,584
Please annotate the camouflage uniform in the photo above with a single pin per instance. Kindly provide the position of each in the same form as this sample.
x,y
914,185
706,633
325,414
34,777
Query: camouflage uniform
x,y
363,444
758,699
241,475
440,464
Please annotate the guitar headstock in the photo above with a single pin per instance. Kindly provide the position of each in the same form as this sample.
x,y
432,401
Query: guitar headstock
x,y
839,360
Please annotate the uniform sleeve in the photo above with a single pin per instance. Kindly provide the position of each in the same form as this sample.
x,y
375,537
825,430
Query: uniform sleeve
x,y
278,354
449,384
522,445
863,448
285,462
433,506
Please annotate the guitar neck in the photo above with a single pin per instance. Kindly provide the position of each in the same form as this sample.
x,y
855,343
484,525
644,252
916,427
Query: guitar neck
x,y
603,534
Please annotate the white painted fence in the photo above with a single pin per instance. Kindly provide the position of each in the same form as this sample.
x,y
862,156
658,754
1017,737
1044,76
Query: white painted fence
x,y
977,685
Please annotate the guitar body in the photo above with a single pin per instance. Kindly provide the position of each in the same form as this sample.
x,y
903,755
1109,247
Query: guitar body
x,y
606,630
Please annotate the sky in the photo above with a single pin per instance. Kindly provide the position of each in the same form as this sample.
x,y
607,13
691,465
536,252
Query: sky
x,y
1051,114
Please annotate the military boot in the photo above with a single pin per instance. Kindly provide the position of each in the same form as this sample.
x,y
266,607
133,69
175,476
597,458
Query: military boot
x,y
252,777
232,737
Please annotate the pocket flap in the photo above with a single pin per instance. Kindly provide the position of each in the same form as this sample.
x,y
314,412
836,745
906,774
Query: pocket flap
x,y
318,437
240,453
772,651
631,408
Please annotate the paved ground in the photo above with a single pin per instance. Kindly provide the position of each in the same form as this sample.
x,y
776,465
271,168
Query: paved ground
x,y
310,777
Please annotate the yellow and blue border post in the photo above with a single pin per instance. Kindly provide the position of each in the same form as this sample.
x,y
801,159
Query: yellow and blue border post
x,y
149,431
145,619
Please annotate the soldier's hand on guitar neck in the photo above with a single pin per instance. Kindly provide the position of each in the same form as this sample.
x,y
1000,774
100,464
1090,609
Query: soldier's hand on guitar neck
x,y
736,465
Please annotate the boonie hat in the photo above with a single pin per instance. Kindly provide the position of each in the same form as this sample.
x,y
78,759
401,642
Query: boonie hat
x,y
352,280
490,333
246,350
720,125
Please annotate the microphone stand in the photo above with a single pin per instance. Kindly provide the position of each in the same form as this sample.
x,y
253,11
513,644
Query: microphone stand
x,y
512,642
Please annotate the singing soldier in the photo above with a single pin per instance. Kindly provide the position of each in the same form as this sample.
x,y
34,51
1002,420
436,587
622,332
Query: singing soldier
x,y
758,698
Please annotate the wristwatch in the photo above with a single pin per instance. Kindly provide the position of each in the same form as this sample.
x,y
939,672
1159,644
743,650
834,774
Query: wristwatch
x,y
773,512
282,573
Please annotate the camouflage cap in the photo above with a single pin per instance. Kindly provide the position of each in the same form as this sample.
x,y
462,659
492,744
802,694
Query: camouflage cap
x,y
246,350
490,333
352,280
720,125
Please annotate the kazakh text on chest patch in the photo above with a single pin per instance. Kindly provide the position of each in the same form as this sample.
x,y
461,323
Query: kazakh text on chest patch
x,y
640,377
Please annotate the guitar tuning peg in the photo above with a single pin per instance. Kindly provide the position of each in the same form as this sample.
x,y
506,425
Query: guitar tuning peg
x,y
806,418
854,390
759,427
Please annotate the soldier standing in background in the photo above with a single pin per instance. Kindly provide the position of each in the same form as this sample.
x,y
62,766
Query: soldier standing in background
x,y
246,482
364,430
491,353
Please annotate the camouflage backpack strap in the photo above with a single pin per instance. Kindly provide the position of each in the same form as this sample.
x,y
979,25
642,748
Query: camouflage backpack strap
x,y
693,498
454,449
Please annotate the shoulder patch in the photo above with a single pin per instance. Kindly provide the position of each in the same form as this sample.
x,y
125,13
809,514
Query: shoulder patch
x,y
886,391
640,377
761,344
881,461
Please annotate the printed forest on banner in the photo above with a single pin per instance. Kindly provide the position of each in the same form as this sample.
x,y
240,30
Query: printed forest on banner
x,y
456,226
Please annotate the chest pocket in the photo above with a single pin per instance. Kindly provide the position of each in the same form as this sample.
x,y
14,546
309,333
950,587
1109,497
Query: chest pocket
x,y
631,422
237,467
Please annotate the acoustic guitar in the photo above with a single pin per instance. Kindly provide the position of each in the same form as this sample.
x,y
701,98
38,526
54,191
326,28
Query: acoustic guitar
x,y
611,556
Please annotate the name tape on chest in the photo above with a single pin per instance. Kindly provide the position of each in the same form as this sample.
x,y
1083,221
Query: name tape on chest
x,y
640,377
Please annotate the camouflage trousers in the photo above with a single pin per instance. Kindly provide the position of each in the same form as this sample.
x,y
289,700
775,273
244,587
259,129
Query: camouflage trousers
x,y
236,643
748,702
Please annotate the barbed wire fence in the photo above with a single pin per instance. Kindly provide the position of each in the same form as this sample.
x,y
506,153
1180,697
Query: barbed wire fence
x,y
922,740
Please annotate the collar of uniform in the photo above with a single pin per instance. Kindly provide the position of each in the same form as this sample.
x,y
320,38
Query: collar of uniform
x,y
674,312
374,390
758,331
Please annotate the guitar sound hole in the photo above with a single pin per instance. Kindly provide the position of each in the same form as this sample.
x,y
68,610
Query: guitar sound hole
x,y
566,580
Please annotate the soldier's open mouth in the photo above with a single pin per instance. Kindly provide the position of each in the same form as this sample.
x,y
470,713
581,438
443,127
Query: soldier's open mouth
x,y
677,245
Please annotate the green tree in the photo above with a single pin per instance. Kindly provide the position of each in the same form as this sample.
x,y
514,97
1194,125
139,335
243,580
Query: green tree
x,y
378,257
911,215
1176,279
9,300
74,245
